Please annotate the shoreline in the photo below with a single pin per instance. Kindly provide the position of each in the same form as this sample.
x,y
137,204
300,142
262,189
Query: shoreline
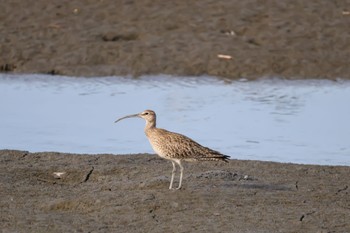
x,y
153,154
123,193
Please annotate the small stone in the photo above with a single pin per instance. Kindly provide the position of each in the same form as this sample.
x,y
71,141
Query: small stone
x,y
59,175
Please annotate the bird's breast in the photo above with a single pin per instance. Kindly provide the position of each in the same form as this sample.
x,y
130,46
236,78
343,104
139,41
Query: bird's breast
x,y
162,143
158,149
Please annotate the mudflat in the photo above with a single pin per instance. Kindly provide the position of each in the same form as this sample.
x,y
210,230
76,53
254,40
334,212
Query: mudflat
x,y
232,39
56,192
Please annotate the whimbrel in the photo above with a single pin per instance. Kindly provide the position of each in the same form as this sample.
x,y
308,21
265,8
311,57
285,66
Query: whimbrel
x,y
175,147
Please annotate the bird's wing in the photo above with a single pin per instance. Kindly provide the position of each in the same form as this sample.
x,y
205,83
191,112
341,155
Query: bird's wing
x,y
182,147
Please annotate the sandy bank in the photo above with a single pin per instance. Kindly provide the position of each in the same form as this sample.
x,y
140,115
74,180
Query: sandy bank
x,y
292,39
129,193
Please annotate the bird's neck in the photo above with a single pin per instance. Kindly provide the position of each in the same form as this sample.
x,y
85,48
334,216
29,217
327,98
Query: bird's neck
x,y
150,125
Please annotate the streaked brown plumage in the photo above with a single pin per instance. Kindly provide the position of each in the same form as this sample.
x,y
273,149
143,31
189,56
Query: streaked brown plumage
x,y
175,147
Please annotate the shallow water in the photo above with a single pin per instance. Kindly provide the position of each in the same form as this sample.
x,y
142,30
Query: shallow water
x,y
303,121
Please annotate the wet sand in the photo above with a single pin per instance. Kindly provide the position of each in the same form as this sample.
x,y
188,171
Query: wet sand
x,y
290,39
129,193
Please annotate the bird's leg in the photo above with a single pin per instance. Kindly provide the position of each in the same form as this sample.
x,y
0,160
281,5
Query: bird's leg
x,y
172,175
181,174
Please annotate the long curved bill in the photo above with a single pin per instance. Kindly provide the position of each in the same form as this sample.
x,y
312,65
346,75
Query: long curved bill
x,y
129,116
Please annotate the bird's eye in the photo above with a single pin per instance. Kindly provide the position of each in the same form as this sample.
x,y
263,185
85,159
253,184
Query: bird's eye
x,y
146,113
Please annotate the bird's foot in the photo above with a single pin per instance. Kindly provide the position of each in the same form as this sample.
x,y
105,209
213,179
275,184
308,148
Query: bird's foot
x,y
178,188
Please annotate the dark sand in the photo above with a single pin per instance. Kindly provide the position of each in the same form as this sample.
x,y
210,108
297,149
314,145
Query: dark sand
x,y
129,193
290,39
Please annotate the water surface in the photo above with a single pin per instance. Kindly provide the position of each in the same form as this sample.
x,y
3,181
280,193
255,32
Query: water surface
x,y
305,121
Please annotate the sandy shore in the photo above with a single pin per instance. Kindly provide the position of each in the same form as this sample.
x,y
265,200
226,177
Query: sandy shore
x,y
291,39
129,193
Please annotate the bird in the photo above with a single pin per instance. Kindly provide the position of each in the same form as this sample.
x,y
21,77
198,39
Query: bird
x,y
174,146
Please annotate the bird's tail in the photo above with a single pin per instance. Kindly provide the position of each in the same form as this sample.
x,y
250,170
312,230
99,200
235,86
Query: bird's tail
x,y
218,157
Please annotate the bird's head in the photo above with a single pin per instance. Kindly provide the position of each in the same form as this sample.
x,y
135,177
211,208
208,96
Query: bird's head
x,y
148,115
